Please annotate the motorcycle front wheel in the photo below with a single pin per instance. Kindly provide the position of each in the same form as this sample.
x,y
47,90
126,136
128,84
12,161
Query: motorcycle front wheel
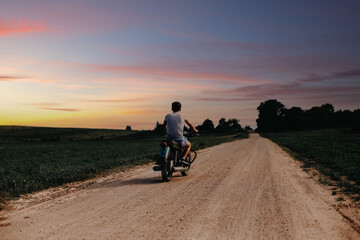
x,y
188,159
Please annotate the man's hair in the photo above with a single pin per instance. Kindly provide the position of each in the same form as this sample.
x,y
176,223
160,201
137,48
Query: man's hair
x,y
176,106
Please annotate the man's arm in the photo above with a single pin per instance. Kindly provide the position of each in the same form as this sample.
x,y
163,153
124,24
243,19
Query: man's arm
x,y
191,126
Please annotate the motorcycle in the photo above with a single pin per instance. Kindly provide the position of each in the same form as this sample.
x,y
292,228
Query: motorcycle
x,y
170,158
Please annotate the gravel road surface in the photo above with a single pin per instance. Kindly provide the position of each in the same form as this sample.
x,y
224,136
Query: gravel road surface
x,y
246,189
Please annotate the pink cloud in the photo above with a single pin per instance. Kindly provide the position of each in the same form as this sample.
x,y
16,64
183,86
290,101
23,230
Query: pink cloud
x,y
239,59
43,104
78,86
164,85
79,17
20,26
25,78
140,112
117,100
10,78
61,109
168,73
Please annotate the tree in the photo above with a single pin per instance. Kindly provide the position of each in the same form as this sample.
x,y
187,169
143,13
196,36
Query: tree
x,y
128,128
234,124
206,127
222,126
356,121
270,115
329,108
159,129
321,117
294,119
273,116
343,118
248,128
231,125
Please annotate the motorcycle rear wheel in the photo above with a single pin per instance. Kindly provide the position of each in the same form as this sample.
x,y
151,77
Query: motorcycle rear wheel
x,y
166,171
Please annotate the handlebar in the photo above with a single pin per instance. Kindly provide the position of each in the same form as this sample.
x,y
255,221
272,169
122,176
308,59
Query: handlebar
x,y
190,134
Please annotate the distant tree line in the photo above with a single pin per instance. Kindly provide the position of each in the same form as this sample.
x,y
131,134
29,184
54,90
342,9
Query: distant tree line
x,y
273,116
207,127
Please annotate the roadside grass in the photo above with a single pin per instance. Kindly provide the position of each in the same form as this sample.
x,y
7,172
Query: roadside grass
x,y
205,141
334,153
26,167
46,134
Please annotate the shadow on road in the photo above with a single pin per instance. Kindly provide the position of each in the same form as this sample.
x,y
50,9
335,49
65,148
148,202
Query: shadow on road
x,y
133,181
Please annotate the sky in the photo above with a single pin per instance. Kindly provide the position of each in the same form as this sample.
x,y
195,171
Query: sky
x,y
113,63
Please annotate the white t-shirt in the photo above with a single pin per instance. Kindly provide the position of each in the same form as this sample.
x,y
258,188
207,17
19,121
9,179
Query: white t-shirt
x,y
175,125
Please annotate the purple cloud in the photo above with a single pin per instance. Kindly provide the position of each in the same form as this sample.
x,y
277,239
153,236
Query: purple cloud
x,y
334,75
291,92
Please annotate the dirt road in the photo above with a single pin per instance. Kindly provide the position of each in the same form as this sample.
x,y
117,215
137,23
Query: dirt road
x,y
247,189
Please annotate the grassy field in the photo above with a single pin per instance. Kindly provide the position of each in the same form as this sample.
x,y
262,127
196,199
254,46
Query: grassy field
x,y
46,134
335,153
27,166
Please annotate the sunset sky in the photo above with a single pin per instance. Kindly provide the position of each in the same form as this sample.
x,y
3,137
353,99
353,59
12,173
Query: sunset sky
x,y
108,64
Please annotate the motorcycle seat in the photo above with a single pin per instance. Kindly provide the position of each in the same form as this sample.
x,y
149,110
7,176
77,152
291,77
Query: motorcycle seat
x,y
174,144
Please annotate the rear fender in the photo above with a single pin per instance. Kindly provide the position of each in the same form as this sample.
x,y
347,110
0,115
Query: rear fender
x,y
164,152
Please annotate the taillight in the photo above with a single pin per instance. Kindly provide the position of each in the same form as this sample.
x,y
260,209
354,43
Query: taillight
x,y
163,144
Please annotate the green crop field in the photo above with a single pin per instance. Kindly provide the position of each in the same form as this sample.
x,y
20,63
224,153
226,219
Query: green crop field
x,y
336,153
45,134
27,166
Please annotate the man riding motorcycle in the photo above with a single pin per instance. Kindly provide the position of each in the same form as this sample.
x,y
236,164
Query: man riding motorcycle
x,y
174,124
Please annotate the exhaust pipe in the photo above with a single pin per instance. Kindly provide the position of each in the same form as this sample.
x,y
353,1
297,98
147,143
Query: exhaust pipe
x,y
180,169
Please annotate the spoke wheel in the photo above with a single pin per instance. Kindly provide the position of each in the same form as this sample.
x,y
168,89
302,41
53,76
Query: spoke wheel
x,y
188,159
166,171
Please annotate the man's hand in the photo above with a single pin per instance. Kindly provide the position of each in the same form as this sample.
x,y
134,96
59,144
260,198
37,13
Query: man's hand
x,y
191,126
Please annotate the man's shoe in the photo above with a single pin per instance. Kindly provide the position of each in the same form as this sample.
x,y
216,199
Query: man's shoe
x,y
185,162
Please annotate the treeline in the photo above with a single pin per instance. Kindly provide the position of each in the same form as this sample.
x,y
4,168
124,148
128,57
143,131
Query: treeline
x,y
207,127
273,116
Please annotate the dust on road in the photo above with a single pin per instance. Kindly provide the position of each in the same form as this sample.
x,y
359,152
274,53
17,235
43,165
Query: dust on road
x,y
247,189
